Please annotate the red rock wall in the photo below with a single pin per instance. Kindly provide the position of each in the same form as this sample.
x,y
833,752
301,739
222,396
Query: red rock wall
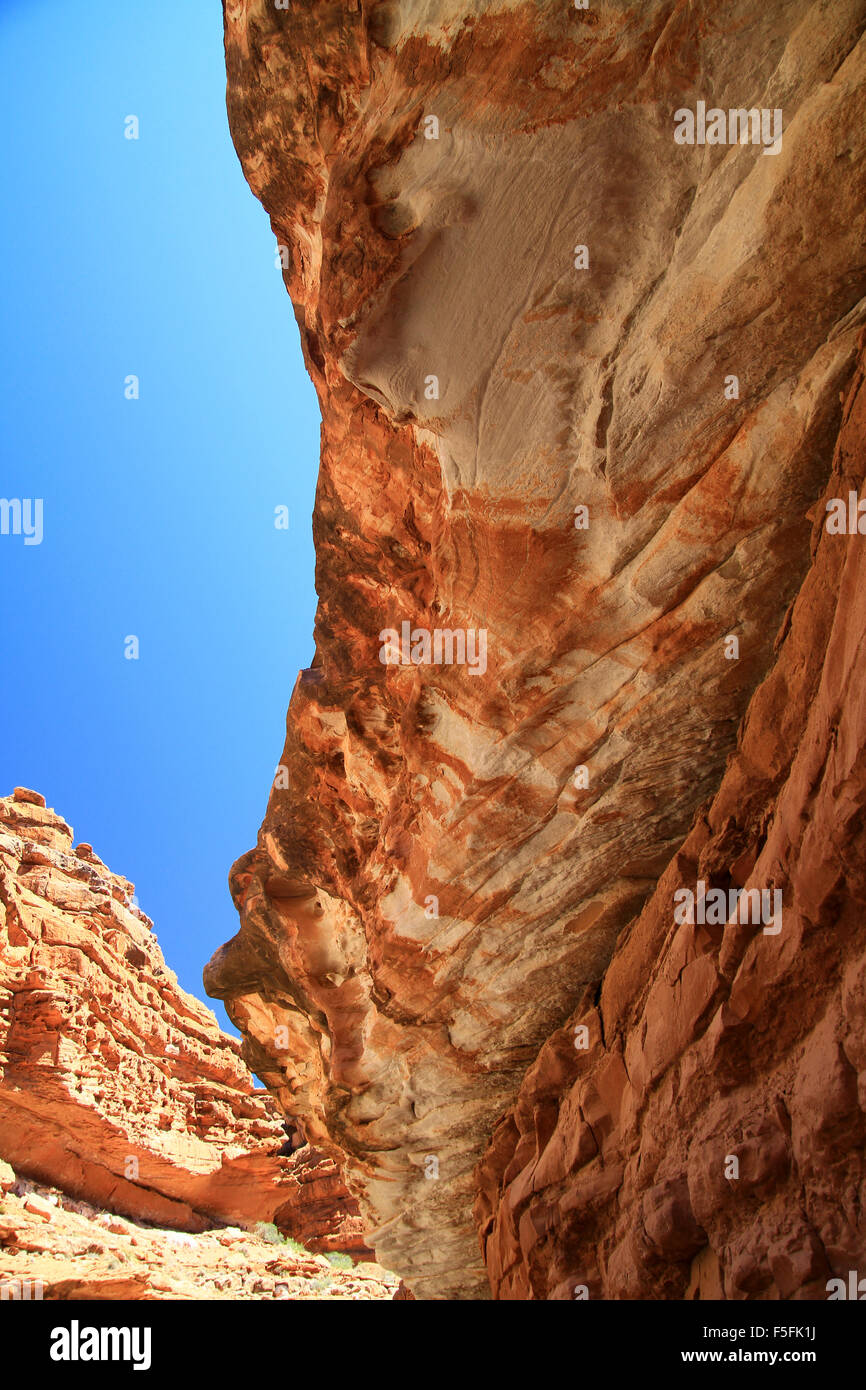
x,y
612,1170
432,893
115,1084
318,1210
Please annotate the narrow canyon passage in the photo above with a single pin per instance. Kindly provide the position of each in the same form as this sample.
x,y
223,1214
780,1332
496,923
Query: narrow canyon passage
x,y
580,290
533,331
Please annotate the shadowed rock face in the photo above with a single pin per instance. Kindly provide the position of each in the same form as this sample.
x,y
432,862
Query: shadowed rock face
x,y
703,1138
434,890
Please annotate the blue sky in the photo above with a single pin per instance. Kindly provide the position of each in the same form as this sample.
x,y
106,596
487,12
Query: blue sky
x,y
153,258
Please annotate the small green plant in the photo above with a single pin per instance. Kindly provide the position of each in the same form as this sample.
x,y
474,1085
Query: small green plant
x,y
267,1231
294,1246
318,1285
339,1259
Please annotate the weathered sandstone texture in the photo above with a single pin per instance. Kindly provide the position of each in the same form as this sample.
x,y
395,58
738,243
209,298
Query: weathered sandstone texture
x,y
452,851
713,1042
115,1084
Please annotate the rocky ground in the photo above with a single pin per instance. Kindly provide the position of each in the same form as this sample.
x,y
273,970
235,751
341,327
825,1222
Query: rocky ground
x,y
80,1252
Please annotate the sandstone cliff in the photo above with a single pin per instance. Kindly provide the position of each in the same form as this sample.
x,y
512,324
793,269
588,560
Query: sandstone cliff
x,y
715,1043
580,385
115,1084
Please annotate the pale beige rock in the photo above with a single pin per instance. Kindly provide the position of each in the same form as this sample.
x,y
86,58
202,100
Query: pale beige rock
x,y
76,1258
38,1206
557,388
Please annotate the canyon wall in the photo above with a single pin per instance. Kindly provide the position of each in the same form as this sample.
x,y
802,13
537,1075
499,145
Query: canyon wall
x,y
580,384
704,1136
117,1086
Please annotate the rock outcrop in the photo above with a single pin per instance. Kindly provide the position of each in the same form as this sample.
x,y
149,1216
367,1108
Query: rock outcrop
x,y
57,1248
580,382
115,1084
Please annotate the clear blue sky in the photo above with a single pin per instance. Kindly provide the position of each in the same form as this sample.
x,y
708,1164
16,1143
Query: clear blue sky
x,y
147,257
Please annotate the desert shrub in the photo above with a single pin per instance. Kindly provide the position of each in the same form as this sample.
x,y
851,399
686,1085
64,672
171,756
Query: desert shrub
x,y
267,1231
295,1246
340,1260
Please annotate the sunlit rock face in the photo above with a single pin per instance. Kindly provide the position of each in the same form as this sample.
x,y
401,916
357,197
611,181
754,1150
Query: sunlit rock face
x,y
60,1248
580,383
117,1086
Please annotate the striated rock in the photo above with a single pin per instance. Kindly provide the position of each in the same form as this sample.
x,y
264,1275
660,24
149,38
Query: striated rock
x,y
580,389
86,1255
115,1084
719,1042
317,1207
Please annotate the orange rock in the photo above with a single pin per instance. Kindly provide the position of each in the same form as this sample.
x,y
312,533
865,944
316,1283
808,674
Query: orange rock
x,y
579,385
26,795
39,1207
738,1135
115,1084
80,1255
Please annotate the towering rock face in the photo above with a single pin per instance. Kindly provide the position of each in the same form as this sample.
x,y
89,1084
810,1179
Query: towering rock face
x,y
579,322
698,1129
115,1084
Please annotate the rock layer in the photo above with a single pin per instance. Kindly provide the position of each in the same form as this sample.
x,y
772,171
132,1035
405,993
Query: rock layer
x,y
580,387
115,1084
714,1043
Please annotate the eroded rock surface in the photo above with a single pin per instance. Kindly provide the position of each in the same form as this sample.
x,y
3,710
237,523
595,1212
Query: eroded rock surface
x,y
435,887
704,1138
115,1084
